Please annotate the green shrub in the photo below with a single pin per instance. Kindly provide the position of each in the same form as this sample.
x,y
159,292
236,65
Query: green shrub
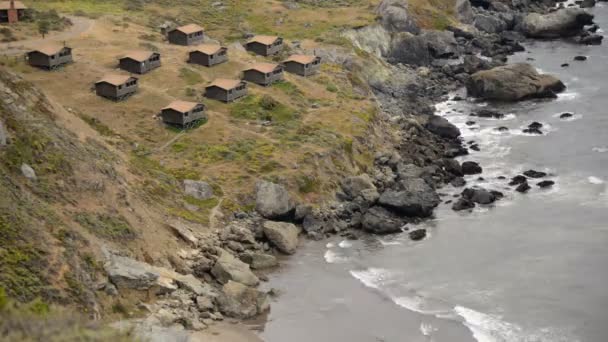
x,y
262,108
105,225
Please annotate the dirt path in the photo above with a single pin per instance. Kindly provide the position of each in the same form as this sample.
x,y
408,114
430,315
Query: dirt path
x,y
80,25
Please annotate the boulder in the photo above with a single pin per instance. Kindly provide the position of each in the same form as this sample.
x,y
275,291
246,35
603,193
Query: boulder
x,y
523,187
473,64
378,220
259,260
486,113
407,48
204,303
227,268
282,235
441,44
273,201
458,182
591,39
463,204
534,174
452,166
489,23
132,274
471,168
519,179
480,196
545,184
354,186
565,22
417,234
464,11
394,16
513,82
197,189
587,3
566,115
442,127
580,58
183,231
240,301
28,172
417,199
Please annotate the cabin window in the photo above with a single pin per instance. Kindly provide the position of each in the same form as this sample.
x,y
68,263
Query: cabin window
x,y
278,71
211,56
64,53
316,62
230,91
190,35
53,57
198,109
267,75
186,114
222,53
120,87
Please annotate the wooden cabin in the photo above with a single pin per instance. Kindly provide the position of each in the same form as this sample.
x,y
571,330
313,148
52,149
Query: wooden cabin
x,y
191,34
50,56
183,113
226,90
265,45
264,74
11,11
140,62
208,55
303,65
116,87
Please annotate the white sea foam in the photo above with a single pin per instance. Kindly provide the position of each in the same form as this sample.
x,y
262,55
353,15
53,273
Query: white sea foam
x,y
389,243
332,257
427,329
488,328
595,180
568,96
372,277
345,244
330,245
600,149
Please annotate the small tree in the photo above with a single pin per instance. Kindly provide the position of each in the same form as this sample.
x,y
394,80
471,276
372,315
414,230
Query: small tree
x,y
43,28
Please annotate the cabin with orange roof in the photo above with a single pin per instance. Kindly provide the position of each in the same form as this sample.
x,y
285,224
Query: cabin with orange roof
x,y
265,45
208,55
186,35
11,11
303,65
263,74
183,113
140,62
116,87
226,90
50,56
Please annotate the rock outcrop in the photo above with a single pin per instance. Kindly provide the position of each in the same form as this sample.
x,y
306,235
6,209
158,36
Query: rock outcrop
x,y
394,16
416,199
513,82
561,23
378,220
442,127
198,189
240,301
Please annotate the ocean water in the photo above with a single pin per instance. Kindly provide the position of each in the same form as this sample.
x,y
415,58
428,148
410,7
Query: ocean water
x,y
531,268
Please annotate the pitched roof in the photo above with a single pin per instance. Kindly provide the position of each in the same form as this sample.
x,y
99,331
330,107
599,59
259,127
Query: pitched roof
x,y
115,79
4,5
190,28
266,40
302,59
182,106
139,56
224,83
209,49
50,49
263,67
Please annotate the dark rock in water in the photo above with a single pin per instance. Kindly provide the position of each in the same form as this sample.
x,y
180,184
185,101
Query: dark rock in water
x,y
457,98
591,39
470,123
523,187
566,115
417,234
502,129
535,174
593,28
497,194
481,179
475,147
480,196
501,177
417,199
471,168
486,113
378,220
533,131
454,152
530,59
535,125
580,58
447,202
545,184
458,182
442,127
519,179
587,4
463,204
452,166
565,65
